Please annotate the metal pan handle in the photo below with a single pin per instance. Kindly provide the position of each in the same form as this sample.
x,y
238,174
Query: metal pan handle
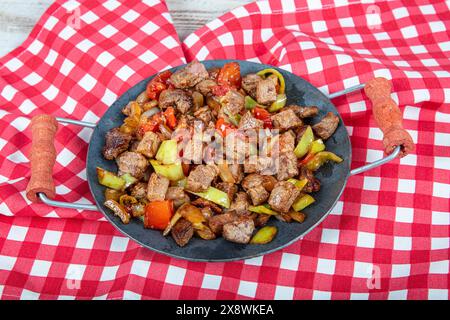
x,y
397,141
42,159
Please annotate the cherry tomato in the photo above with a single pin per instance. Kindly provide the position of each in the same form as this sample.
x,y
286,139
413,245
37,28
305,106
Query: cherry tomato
x,y
220,90
264,115
171,120
158,214
158,84
230,74
223,127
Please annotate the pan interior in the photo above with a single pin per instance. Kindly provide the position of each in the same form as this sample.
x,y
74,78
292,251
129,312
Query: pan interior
x,y
332,177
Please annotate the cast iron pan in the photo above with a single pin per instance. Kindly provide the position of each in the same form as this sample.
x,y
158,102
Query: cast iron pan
x,y
333,177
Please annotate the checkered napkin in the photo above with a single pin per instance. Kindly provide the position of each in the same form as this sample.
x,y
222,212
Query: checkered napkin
x,y
388,236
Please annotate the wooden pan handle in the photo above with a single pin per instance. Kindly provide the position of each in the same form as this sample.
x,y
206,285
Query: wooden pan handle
x,y
43,157
388,116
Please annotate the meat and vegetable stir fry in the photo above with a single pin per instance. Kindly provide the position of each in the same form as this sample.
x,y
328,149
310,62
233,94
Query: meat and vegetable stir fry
x,y
229,182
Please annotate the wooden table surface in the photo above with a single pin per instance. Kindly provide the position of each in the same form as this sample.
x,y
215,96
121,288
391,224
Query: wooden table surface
x,y
17,17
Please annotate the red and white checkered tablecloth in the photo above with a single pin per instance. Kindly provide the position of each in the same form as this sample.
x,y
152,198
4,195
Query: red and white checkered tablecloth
x,y
389,235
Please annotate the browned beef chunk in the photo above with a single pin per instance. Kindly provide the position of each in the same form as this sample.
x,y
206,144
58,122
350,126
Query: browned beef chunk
x,y
240,204
260,164
157,187
216,222
149,144
236,172
204,87
229,188
248,122
189,76
239,231
303,112
313,184
178,195
253,184
133,163
175,97
283,196
139,190
261,219
287,142
269,182
203,203
327,126
207,212
287,167
204,114
285,120
200,178
266,91
284,217
232,102
249,83
116,142
182,232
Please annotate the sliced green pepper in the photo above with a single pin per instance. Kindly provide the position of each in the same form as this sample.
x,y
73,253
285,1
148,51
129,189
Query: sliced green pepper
x,y
305,142
263,73
214,195
298,183
265,209
279,103
320,158
317,146
110,180
233,118
167,152
129,179
250,103
264,235
173,172
303,202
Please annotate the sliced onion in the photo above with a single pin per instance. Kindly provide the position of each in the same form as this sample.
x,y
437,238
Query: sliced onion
x,y
151,112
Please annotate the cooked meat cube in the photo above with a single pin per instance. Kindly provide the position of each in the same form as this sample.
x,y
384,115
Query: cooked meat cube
x,y
240,204
204,87
236,172
303,112
207,212
203,203
204,114
133,163
157,187
261,219
327,126
287,166
189,76
248,122
287,142
216,222
213,72
182,232
269,182
283,217
250,164
200,178
178,195
149,144
253,184
285,120
134,145
175,97
313,184
239,231
116,142
266,91
283,196
249,83
229,188
139,190
232,102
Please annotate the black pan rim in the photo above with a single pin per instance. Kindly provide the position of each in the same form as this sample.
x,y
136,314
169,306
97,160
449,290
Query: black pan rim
x,y
250,256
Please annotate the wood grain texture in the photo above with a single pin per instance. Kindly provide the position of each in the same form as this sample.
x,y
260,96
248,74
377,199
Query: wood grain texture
x,y
17,17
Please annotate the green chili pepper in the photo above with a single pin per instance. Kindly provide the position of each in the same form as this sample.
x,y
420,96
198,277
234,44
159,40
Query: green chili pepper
x,y
250,103
317,146
263,73
129,179
214,195
302,202
173,172
265,209
233,118
110,180
167,152
305,142
320,158
298,183
279,103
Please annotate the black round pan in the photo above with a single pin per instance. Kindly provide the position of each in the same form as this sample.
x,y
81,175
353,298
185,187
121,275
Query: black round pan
x,y
333,178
